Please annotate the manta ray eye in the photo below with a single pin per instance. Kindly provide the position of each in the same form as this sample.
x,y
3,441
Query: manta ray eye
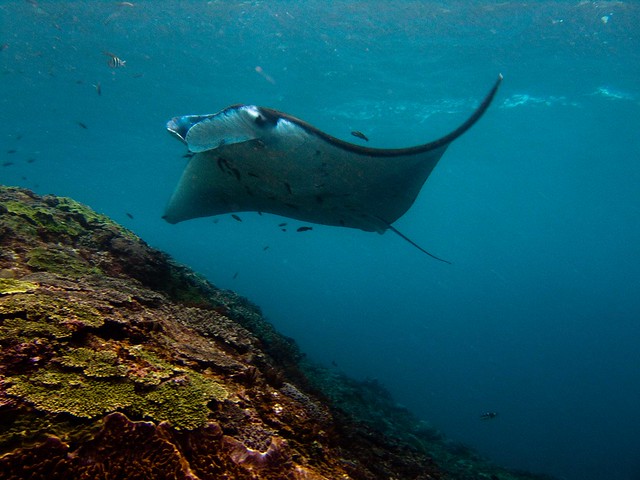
x,y
256,115
263,118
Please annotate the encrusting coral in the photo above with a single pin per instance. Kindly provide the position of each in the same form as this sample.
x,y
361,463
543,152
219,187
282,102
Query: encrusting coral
x,y
116,362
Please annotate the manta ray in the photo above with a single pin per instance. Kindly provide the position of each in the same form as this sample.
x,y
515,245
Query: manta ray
x,y
251,158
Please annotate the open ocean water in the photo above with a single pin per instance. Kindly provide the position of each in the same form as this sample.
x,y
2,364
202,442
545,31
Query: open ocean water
x,y
537,206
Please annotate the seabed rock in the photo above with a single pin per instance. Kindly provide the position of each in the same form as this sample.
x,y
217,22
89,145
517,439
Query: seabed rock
x,y
118,363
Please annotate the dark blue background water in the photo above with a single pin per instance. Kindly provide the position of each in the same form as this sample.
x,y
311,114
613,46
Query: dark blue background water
x,y
538,206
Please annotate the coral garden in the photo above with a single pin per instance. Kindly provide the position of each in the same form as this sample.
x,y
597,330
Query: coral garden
x,y
116,362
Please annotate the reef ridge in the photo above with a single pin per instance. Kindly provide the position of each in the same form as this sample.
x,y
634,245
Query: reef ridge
x,y
117,362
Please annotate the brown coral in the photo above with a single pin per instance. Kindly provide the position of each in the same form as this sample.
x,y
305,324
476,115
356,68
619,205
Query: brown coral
x,y
275,457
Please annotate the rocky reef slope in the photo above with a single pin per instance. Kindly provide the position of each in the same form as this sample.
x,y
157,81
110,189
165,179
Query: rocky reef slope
x,y
116,362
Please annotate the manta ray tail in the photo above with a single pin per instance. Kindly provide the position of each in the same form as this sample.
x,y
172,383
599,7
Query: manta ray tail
x,y
402,235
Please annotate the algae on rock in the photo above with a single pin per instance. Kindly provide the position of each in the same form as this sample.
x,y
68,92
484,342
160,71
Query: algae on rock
x,y
61,262
9,286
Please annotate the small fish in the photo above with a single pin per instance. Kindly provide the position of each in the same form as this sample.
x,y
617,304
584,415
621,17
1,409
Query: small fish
x,y
7,164
304,229
111,17
265,248
125,4
12,151
114,61
188,155
31,160
359,134
488,415
80,124
283,224
98,88
129,215
236,217
260,71
3,47
235,275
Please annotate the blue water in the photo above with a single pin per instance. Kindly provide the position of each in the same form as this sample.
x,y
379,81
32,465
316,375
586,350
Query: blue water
x,y
537,206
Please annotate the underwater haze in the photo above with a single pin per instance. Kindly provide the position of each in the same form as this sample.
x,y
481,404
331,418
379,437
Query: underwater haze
x,y
537,206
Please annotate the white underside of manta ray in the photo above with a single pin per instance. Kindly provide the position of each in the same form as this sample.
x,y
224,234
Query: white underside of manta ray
x,y
249,158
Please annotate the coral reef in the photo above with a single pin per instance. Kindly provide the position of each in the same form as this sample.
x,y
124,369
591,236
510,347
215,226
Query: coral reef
x,y
116,362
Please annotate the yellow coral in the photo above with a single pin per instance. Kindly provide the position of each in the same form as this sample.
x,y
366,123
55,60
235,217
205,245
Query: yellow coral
x,y
10,286
21,329
101,364
65,392
101,388
38,315
182,401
